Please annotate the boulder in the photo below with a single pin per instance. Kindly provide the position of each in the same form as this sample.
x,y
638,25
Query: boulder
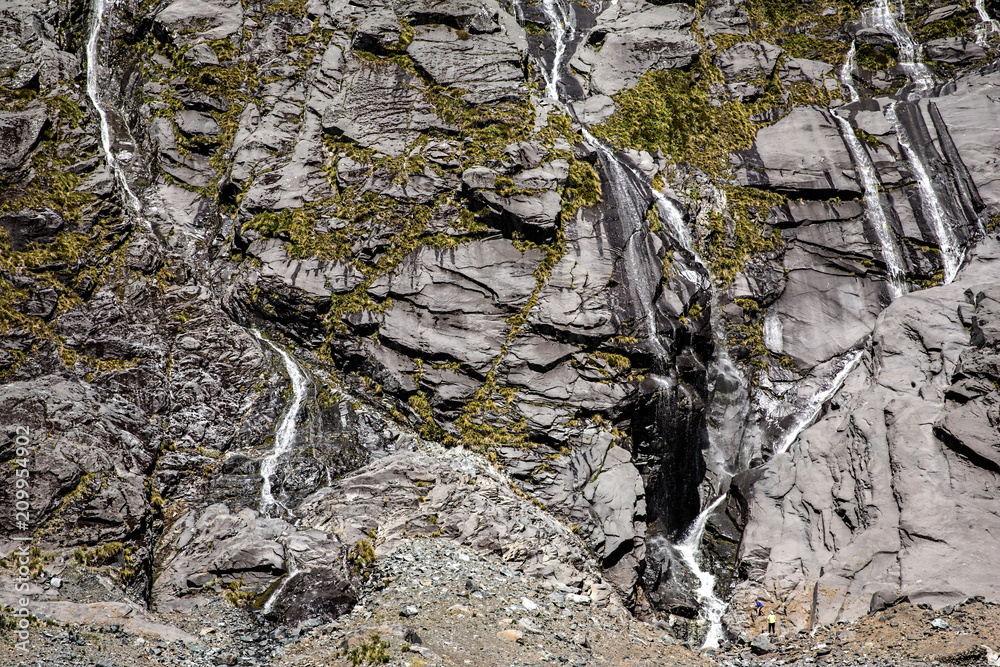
x,y
20,132
802,152
26,227
382,107
487,67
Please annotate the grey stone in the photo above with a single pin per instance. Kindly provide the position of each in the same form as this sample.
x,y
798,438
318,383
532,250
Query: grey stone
x,y
761,645
548,176
748,60
211,19
954,50
488,67
479,177
383,108
802,152
201,54
534,213
634,37
879,445
196,122
19,133
317,278
26,226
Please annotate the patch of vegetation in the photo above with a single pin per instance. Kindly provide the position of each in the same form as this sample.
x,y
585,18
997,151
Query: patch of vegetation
x,y
583,188
236,596
733,239
362,556
876,58
374,651
671,110
953,26
99,555
298,225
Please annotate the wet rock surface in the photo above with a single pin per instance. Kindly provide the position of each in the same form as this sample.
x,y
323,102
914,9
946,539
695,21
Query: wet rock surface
x,y
388,192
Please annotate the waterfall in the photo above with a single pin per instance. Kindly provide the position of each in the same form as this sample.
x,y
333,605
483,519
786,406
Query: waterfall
x,y
624,181
711,606
810,411
882,17
847,73
291,569
951,251
895,267
563,22
988,25
93,92
284,435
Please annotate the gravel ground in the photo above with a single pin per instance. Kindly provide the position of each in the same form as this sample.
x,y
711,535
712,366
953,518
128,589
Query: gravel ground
x,y
434,603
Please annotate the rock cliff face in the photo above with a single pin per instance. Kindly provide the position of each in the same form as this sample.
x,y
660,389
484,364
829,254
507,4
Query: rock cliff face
x,y
558,276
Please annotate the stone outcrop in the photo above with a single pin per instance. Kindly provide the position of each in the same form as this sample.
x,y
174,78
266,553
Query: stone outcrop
x,y
876,499
388,192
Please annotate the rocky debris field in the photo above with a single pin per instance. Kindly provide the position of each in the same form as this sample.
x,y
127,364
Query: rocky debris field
x,y
432,602
905,634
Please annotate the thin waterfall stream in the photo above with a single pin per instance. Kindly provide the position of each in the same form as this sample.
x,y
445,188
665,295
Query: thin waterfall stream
x,y
882,17
93,92
895,267
951,252
284,435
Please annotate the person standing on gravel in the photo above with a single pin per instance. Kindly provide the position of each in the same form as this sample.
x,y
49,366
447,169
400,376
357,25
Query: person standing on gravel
x,y
771,620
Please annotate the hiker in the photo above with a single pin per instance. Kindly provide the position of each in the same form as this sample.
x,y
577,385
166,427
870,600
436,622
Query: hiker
x,y
771,620
759,606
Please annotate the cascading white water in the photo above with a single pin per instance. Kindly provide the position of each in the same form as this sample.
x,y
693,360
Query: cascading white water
x,y
93,92
987,24
291,568
621,177
951,250
895,268
814,405
847,73
562,20
910,58
284,435
711,606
